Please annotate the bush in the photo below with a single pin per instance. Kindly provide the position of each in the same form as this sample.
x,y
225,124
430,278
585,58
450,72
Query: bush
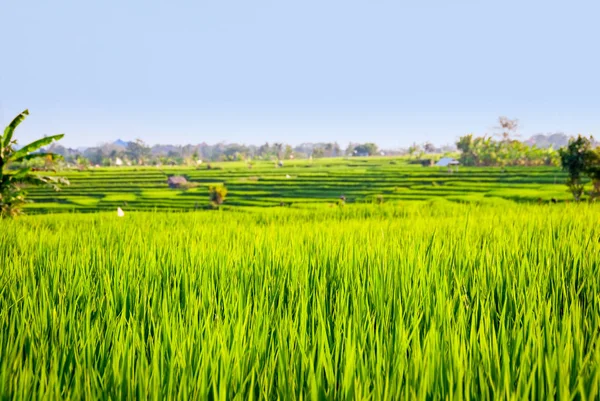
x,y
217,194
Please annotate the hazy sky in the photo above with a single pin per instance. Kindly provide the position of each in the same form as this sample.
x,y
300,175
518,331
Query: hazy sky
x,y
252,71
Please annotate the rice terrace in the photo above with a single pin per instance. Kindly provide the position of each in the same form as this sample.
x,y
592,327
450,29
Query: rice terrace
x,y
300,183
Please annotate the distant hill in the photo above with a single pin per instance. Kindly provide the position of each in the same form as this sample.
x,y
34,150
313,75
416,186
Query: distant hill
x,y
556,140
121,143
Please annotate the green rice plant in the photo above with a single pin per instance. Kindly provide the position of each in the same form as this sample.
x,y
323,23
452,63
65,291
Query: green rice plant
x,y
423,300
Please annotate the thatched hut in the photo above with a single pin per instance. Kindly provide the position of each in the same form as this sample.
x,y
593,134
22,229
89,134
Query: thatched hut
x,y
177,181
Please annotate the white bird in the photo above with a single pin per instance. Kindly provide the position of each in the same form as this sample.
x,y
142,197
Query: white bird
x,y
120,212
288,176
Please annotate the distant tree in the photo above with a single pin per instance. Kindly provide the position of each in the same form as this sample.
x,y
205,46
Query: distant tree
x,y
14,175
278,149
173,153
466,146
371,148
366,148
109,150
318,152
575,158
138,151
336,151
429,147
235,151
288,153
68,155
82,162
465,143
508,128
332,149
264,151
94,155
413,149
593,171
349,149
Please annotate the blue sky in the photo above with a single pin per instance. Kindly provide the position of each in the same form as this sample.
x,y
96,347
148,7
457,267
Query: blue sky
x,y
393,72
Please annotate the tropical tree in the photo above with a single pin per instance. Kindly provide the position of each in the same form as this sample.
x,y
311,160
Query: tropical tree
x,y
486,151
318,152
349,149
575,158
428,147
94,155
279,149
466,145
593,171
414,148
337,151
508,128
83,163
138,151
15,175
289,152
366,148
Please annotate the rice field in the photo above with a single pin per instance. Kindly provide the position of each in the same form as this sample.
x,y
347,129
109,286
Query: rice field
x,y
427,299
300,183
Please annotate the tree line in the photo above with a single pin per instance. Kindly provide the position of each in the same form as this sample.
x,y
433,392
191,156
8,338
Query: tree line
x,y
503,149
139,153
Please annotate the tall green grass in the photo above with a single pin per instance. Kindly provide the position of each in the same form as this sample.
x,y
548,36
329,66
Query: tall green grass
x,y
425,300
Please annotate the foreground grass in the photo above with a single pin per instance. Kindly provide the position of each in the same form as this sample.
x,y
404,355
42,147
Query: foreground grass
x,y
422,300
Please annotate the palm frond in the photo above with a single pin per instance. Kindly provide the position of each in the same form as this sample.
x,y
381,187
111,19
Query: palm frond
x,y
10,129
33,179
33,146
19,175
12,194
32,156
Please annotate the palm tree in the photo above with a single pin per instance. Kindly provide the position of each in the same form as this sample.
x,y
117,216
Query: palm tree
x,y
14,175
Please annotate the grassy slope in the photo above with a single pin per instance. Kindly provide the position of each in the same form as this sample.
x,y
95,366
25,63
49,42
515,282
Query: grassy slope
x,y
424,300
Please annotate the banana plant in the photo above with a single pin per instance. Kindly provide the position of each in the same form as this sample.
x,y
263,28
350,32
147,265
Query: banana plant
x,y
14,175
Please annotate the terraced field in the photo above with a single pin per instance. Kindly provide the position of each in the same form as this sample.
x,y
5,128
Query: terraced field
x,y
297,183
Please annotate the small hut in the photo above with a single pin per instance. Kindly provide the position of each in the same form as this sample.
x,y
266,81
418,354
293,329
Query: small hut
x,y
177,181
448,162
